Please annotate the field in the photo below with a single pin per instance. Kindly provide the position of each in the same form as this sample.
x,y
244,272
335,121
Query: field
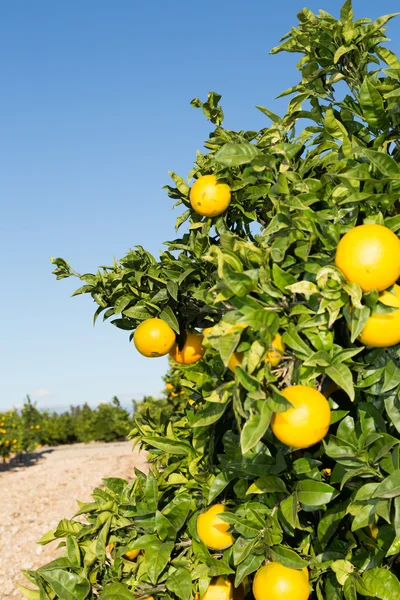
x,y
40,491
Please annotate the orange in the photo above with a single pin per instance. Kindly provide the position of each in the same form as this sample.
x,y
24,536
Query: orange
x,y
174,394
222,589
212,530
169,387
383,329
307,422
235,360
374,530
208,197
370,256
274,355
154,337
277,582
191,352
131,554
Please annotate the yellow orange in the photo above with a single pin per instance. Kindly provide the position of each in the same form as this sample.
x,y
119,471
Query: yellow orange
x,y
131,554
274,355
383,329
154,337
212,530
169,387
277,582
191,352
307,422
235,360
208,197
370,256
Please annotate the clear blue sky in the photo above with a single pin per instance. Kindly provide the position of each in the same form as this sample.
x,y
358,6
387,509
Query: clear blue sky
x,y
94,111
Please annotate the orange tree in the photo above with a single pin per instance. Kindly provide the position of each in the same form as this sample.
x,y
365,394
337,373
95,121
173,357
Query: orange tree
x,y
262,485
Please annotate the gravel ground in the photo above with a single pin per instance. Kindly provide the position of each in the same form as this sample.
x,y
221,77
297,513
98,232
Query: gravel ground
x,y
38,493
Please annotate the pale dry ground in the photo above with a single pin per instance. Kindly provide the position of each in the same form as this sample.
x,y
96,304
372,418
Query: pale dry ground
x,y
36,495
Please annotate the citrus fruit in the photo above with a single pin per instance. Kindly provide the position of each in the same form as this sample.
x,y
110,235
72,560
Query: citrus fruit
x,y
169,387
131,554
219,589
370,256
383,329
154,337
174,394
277,582
191,352
222,589
235,360
212,530
307,422
274,355
208,197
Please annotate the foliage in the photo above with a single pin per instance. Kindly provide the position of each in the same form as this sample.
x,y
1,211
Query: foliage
x,y
24,430
330,163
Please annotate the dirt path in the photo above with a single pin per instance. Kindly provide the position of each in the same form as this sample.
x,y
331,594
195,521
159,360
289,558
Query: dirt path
x,y
36,495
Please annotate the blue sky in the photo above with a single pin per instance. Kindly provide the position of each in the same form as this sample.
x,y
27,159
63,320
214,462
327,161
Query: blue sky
x,y
94,111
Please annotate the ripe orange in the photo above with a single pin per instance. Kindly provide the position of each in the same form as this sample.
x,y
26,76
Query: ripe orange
x,y
277,582
208,197
383,329
212,530
307,422
131,554
235,360
191,352
174,394
222,589
370,256
154,337
169,386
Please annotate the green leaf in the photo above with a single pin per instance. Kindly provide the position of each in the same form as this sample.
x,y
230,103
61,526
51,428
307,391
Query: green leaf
x,y
251,384
116,591
389,487
209,414
287,557
392,377
180,583
164,527
238,283
342,376
274,118
168,316
151,491
28,593
73,552
156,556
255,426
384,163
371,103
392,407
248,566
67,586
379,583
292,339
170,445
269,484
241,549
218,485
329,522
346,12
303,287
342,568
314,493
350,588
233,155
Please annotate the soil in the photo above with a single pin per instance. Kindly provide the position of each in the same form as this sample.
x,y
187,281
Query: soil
x,y
40,489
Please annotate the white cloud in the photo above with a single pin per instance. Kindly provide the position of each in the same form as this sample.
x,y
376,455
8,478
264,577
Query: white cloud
x,y
42,393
